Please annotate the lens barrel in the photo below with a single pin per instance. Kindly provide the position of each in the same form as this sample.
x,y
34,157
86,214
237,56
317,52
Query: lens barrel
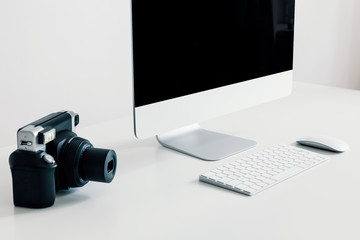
x,y
81,163
98,165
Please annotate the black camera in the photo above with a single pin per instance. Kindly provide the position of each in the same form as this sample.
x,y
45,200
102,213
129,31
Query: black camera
x,y
51,157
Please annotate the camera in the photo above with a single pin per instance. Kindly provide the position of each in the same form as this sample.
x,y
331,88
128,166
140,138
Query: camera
x,y
51,157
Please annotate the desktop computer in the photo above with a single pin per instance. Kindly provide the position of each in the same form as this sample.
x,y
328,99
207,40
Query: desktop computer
x,y
196,60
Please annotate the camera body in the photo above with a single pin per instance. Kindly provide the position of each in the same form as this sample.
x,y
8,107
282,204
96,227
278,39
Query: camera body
x,y
51,157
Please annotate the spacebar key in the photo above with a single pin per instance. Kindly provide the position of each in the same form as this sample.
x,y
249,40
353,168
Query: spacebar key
x,y
288,173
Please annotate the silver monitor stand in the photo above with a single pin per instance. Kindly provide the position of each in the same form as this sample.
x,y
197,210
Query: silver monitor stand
x,y
204,144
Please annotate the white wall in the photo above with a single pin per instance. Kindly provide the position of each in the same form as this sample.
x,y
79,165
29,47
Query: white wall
x,y
63,55
327,49
76,55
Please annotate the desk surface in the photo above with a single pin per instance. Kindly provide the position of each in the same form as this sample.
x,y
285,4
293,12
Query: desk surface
x,y
156,193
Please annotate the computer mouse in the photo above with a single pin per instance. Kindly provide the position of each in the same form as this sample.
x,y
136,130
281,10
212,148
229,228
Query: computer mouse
x,y
324,142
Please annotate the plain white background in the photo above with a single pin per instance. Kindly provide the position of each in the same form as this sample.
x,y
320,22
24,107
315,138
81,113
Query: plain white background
x,y
76,55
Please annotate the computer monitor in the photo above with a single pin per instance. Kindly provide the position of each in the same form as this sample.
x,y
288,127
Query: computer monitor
x,y
195,60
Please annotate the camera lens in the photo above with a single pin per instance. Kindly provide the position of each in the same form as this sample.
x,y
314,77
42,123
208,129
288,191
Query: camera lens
x,y
98,165
81,163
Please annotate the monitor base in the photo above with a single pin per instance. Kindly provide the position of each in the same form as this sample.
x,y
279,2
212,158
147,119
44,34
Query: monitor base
x,y
204,144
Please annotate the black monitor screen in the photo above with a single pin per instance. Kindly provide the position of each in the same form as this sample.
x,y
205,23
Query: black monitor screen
x,y
182,47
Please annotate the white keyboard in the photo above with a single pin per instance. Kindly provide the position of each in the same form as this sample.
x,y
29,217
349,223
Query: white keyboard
x,y
256,172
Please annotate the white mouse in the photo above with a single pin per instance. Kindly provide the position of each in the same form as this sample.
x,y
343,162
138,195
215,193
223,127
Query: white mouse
x,y
324,142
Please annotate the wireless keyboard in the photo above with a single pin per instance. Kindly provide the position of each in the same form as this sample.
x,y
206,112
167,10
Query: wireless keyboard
x,y
256,172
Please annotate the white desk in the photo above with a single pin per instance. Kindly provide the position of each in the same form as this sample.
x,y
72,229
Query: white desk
x,y
156,193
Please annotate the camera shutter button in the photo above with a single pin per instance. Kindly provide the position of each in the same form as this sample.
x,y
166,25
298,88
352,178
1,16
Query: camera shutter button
x,y
48,158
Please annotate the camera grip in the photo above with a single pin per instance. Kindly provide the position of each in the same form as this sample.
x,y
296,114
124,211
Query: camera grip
x,y
33,179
